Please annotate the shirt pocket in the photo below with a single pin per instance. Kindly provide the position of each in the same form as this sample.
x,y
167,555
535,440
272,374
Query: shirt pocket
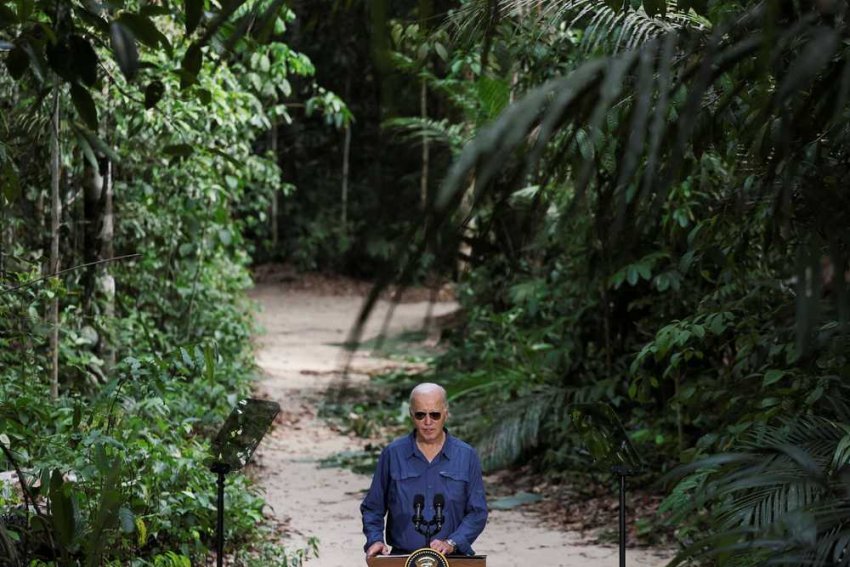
x,y
457,483
403,486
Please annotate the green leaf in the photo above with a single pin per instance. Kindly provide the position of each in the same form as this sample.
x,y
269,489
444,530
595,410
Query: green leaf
x,y
441,51
178,150
191,66
655,7
154,93
62,508
10,185
494,95
7,17
204,96
17,62
125,50
97,143
84,104
194,11
772,376
83,60
59,59
144,30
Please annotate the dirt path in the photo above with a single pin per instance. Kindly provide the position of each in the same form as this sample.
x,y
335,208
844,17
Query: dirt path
x,y
300,355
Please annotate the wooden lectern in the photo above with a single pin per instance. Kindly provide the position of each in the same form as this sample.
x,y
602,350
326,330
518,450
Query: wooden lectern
x,y
454,561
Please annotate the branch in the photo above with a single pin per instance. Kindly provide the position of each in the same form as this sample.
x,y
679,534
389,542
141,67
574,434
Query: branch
x,y
66,270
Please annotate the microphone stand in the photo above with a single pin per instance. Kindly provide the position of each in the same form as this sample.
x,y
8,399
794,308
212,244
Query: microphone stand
x,y
436,522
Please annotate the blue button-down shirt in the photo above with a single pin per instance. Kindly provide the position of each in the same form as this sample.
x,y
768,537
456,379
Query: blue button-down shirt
x,y
402,472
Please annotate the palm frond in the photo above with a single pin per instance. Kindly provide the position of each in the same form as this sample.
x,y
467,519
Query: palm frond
x,y
783,500
519,427
416,129
618,29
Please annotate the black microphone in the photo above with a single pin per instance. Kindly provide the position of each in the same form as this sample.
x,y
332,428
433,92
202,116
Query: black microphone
x,y
418,505
439,504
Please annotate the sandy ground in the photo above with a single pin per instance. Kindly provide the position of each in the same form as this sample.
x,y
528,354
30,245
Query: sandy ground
x,y
300,355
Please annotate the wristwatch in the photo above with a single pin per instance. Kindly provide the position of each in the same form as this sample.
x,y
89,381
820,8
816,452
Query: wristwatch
x,y
452,543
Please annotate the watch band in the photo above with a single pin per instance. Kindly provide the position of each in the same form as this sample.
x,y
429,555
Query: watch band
x,y
452,543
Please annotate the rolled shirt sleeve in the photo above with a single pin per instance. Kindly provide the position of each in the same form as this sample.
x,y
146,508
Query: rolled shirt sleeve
x,y
475,512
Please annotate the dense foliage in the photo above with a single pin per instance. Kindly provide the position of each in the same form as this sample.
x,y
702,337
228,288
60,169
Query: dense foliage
x,y
161,113
658,222
643,201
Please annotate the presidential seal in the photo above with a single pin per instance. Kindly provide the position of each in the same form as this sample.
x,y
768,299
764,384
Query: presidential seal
x,y
426,557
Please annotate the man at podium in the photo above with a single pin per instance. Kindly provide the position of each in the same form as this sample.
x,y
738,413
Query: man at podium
x,y
427,484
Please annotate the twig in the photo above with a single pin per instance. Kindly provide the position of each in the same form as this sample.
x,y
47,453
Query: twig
x,y
71,269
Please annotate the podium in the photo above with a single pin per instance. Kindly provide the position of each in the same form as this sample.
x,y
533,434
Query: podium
x,y
454,560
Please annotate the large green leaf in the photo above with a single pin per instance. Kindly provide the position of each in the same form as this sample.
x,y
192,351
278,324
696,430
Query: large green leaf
x,y
59,58
194,10
63,510
191,66
144,30
83,60
17,62
84,104
125,50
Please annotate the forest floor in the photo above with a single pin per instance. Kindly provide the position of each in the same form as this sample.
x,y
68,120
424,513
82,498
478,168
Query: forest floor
x,y
301,353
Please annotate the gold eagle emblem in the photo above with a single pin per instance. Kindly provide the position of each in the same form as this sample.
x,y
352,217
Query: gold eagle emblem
x,y
426,557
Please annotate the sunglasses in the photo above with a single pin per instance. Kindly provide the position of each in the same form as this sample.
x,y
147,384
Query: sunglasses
x,y
434,415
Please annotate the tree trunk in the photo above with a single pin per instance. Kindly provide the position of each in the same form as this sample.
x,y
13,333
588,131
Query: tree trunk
x,y
53,268
346,153
346,159
426,12
106,281
275,205
426,148
92,207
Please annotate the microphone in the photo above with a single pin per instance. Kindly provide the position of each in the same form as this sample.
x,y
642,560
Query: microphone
x,y
439,504
418,505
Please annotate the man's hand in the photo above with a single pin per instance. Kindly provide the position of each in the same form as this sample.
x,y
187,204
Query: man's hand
x,y
377,548
442,546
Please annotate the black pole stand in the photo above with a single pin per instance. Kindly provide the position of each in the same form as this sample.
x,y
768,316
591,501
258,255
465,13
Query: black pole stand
x,y
609,446
622,471
622,520
220,469
232,449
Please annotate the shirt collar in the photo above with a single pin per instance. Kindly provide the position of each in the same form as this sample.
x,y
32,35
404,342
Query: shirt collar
x,y
448,447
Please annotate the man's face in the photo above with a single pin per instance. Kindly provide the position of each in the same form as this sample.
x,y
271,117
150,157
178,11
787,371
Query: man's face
x,y
426,406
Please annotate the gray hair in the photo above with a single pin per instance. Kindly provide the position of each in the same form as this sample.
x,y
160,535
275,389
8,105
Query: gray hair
x,y
428,387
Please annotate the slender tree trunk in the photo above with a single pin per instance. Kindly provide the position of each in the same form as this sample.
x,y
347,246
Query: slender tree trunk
x,y
55,215
346,158
426,12
92,213
346,154
276,194
106,280
426,147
